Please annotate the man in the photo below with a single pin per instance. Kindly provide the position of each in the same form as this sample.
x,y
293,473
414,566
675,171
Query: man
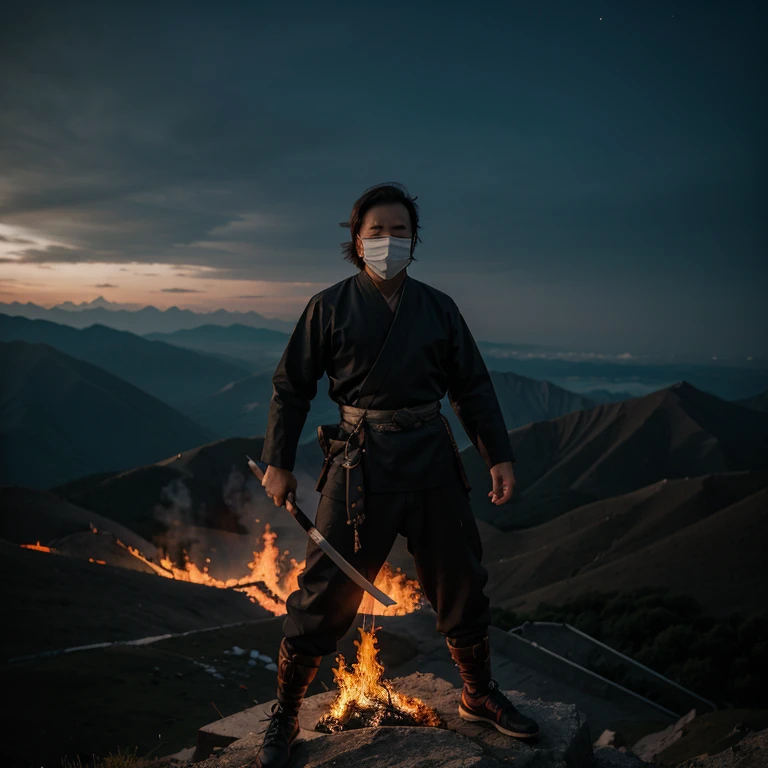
x,y
392,347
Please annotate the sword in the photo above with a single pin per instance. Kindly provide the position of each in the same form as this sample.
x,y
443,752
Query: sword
x,y
259,468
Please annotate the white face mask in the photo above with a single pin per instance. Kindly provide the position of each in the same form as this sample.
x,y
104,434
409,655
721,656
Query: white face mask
x,y
386,256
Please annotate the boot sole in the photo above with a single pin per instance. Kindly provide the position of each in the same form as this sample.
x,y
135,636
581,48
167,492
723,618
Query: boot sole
x,y
464,715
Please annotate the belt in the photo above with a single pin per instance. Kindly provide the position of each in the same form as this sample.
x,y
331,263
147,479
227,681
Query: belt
x,y
380,420
390,419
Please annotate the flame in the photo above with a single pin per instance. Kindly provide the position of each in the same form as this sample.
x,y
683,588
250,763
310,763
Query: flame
x,y
266,568
266,583
399,587
272,576
363,691
270,580
37,547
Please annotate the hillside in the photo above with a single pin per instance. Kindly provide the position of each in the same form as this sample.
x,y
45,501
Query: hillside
x,y
522,401
29,516
172,374
616,448
257,346
758,402
61,418
242,408
206,487
84,603
720,562
701,536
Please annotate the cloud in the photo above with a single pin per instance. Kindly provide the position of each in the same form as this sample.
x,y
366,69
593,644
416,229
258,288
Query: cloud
x,y
146,158
15,240
105,285
179,290
250,296
61,254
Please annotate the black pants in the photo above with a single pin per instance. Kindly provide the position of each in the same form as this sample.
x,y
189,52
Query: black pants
x,y
443,539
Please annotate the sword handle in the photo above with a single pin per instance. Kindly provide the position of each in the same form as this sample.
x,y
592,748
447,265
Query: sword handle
x,y
259,468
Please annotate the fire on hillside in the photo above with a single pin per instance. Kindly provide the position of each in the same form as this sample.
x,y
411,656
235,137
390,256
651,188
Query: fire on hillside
x,y
271,576
365,698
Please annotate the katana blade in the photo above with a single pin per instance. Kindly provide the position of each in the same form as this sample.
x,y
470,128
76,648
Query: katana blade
x,y
259,468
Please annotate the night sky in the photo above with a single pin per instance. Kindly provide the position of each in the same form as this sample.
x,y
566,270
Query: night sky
x,y
589,175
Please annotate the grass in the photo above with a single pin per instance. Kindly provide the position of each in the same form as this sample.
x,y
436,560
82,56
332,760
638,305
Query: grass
x,y
120,759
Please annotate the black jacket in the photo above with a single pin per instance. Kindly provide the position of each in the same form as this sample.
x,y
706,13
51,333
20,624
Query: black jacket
x,y
340,332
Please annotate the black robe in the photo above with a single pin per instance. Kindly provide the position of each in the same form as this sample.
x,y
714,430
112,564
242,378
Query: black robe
x,y
340,332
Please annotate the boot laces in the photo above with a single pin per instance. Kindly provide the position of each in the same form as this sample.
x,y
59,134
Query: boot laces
x,y
498,699
281,725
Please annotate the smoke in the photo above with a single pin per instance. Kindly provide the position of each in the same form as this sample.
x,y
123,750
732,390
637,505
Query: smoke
x,y
238,495
175,512
188,533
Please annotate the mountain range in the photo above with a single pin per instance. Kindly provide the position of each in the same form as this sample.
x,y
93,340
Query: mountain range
x,y
226,399
148,319
61,417
602,377
175,375
614,448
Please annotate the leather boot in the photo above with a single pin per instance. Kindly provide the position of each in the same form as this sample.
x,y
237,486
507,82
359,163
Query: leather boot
x,y
295,671
481,699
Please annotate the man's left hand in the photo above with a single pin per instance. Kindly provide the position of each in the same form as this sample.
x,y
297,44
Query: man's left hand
x,y
503,483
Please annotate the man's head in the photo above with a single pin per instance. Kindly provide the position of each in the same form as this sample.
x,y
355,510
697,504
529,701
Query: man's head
x,y
386,209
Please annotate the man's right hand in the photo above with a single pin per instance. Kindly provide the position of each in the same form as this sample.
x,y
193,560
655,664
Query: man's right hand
x,y
278,483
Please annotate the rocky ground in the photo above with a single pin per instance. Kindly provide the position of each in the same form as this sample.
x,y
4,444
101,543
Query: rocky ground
x,y
564,740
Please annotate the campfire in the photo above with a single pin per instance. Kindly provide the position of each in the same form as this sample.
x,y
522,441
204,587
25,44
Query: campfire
x,y
271,577
366,700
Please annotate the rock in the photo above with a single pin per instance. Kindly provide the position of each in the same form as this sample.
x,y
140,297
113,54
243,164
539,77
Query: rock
x,y
369,747
610,757
750,752
564,741
605,739
655,743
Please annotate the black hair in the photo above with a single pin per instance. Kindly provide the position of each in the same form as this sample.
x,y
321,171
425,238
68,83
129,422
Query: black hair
x,y
389,192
